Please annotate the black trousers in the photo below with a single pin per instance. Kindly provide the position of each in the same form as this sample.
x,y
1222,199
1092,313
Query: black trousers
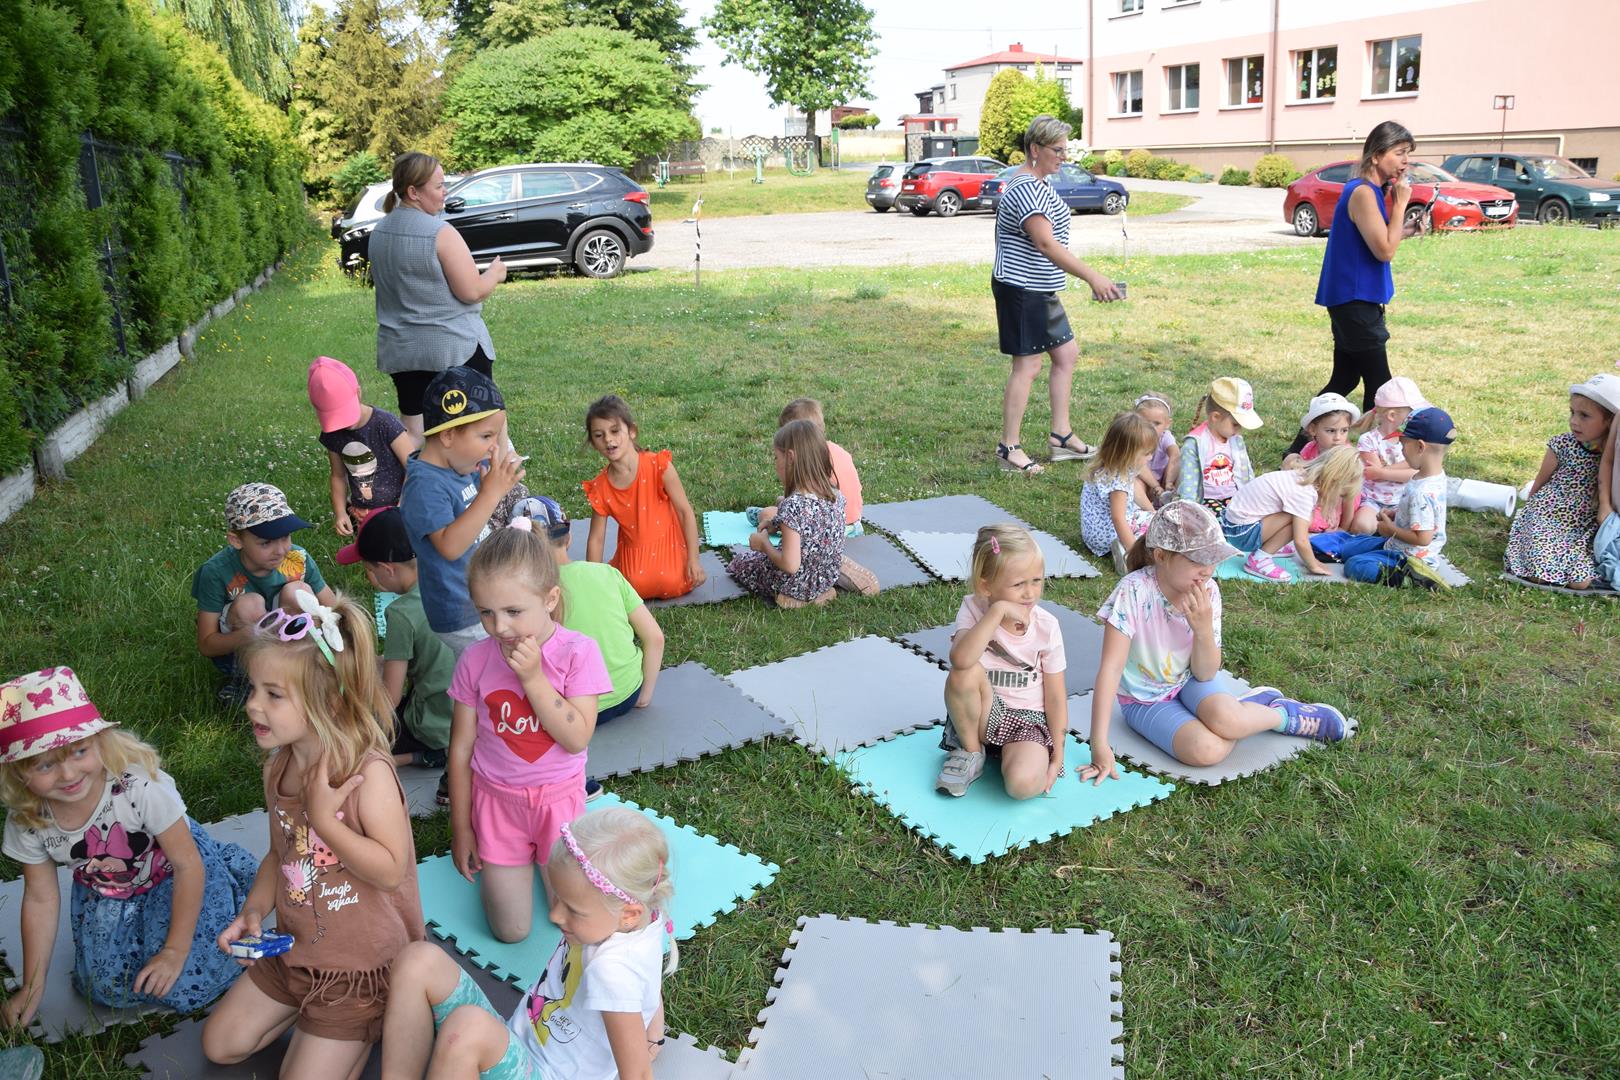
x,y
1360,355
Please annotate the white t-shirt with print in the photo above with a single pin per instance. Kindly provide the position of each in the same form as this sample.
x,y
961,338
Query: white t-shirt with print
x,y
115,852
1422,506
1160,657
1272,493
559,1021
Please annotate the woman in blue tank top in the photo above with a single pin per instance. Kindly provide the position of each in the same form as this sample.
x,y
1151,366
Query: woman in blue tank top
x,y
1356,281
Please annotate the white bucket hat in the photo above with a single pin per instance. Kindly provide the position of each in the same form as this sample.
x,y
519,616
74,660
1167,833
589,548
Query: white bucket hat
x,y
1603,389
1322,404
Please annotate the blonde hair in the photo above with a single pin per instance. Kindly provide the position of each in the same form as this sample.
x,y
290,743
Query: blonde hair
x,y
411,169
809,465
1207,409
1046,130
996,546
632,853
802,408
343,702
522,554
1128,434
120,750
1154,400
1335,474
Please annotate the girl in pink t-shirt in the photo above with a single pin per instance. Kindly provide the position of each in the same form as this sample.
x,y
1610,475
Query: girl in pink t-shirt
x,y
1005,694
1271,514
525,709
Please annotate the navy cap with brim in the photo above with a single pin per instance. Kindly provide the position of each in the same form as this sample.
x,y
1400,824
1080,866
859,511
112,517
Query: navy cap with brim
x,y
282,526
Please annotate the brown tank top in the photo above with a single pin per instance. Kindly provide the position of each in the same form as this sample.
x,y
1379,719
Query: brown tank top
x,y
340,923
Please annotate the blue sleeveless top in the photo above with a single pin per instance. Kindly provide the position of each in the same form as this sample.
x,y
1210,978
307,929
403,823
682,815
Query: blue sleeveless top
x,y
1350,271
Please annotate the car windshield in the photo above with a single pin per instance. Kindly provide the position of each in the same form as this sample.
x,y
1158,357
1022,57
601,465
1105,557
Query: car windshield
x,y
1006,174
1557,168
881,171
1423,173
918,169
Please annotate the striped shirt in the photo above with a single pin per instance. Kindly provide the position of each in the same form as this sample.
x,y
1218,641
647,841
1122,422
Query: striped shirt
x,y
1018,261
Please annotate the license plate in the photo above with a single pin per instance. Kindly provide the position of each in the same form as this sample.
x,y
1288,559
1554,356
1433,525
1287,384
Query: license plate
x,y
909,187
1497,211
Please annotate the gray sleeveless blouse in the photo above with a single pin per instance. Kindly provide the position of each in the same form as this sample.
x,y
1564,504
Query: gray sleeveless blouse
x,y
421,326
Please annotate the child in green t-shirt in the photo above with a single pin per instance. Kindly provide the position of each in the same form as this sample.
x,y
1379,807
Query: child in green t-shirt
x,y
417,665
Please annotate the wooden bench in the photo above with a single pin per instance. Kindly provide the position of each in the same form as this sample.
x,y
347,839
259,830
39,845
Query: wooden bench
x,y
687,168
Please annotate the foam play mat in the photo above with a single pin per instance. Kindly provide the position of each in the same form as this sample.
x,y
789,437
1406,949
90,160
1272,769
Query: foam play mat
x,y
949,555
726,528
943,513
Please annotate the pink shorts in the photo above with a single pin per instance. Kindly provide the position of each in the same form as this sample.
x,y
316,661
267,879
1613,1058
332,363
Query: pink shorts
x,y
518,826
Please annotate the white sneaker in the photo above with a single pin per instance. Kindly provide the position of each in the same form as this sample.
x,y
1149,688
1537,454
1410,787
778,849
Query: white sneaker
x,y
961,768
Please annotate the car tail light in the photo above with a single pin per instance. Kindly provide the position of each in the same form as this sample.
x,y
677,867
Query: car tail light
x,y
638,196
885,183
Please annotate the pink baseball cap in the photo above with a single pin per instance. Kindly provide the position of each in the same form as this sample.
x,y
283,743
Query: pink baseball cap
x,y
1400,393
335,392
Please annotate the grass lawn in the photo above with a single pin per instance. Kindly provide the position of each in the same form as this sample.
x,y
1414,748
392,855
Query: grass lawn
x,y
825,189
1436,898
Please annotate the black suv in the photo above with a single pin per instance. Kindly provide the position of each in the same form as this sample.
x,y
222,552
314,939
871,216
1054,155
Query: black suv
x,y
592,217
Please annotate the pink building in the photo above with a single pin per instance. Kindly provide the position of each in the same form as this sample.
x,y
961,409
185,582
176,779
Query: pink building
x,y
1218,82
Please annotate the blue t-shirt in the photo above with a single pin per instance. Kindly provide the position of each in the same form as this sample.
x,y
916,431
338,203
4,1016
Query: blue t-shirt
x,y
433,497
1350,271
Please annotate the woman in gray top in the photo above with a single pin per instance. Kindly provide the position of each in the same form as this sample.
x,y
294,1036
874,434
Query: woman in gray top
x,y
429,291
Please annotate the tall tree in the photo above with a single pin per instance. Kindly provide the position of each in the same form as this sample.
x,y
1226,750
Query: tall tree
x,y
1011,102
813,54
256,37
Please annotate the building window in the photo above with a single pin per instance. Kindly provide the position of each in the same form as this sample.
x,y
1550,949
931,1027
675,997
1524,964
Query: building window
x,y
1126,7
1246,80
1181,84
1587,163
1127,93
1067,86
1395,65
953,91
1064,67
1317,74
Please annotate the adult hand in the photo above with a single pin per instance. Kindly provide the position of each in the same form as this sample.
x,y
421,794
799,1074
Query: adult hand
x,y
497,270
248,923
161,972
1400,190
1103,289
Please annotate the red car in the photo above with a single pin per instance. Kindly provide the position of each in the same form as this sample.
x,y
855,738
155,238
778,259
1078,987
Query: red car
x,y
945,185
1460,204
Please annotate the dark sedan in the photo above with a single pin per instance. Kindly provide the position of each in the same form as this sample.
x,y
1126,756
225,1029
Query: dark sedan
x,y
1078,188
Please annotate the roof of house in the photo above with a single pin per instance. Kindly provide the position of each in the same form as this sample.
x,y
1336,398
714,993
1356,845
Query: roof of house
x,y
1015,55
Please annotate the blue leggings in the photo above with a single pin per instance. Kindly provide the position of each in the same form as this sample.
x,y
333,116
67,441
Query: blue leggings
x,y
1158,721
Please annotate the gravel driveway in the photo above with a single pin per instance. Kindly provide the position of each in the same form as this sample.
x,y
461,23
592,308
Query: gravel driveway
x,y
1222,220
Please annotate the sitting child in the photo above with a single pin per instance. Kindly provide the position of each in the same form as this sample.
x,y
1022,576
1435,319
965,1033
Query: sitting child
x,y
368,446
1214,459
1163,472
1606,546
849,481
453,488
1271,514
1114,503
1386,470
1410,537
1005,695
1327,422
417,666
258,570
1551,540
1161,655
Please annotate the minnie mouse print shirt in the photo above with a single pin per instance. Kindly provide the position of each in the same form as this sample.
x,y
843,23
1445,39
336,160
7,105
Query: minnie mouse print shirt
x,y
512,747
115,852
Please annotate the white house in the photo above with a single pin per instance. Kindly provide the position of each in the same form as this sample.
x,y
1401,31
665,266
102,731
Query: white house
x,y
962,93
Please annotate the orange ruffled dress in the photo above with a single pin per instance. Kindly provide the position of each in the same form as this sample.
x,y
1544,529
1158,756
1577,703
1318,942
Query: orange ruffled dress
x,y
651,552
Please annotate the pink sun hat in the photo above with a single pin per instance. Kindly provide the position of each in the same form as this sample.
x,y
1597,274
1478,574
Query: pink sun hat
x,y
44,710
1400,393
334,390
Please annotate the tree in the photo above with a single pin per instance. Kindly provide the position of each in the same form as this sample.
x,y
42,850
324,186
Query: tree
x,y
365,82
812,55
1011,102
256,37
578,94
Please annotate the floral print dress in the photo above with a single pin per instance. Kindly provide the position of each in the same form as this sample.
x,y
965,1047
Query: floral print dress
x,y
1552,534
820,525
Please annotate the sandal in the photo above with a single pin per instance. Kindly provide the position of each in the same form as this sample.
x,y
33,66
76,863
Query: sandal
x,y
1004,454
1261,566
1062,451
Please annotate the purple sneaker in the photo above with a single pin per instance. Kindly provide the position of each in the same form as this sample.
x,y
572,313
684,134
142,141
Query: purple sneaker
x,y
1263,695
1316,721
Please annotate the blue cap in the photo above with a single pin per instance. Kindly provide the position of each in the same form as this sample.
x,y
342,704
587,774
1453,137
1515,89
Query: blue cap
x,y
1432,425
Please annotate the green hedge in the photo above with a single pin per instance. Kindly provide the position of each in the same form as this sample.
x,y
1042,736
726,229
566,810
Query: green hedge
x,y
144,87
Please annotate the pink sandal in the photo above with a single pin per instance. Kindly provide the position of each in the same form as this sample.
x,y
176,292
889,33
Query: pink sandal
x,y
1260,565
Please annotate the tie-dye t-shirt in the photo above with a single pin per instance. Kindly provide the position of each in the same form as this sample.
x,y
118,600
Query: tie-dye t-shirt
x,y
1160,660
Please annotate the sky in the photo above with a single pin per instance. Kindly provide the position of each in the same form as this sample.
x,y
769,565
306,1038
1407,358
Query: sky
x,y
916,41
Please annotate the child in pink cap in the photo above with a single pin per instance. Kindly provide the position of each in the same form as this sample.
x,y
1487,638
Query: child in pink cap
x,y
368,446
1385,469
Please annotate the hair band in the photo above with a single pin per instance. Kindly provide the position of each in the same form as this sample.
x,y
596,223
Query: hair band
x,y
1152,397
592,874
521,524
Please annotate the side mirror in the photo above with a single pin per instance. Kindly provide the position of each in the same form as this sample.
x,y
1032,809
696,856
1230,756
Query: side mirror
x,y
455,205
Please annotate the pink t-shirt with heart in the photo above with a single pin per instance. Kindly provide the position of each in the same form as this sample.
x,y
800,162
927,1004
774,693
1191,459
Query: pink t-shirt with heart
x,y
511,746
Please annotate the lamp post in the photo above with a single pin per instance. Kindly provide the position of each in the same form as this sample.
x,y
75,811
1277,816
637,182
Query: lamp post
x,y
1503,103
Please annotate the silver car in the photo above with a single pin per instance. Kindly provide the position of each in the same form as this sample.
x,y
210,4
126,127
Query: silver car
x,y
882,187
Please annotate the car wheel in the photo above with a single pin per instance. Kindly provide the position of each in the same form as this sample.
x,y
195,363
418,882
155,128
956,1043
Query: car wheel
x,y
601,254
920,211
881,209
1553,212
1306,222
1114,203
1413,218
948,204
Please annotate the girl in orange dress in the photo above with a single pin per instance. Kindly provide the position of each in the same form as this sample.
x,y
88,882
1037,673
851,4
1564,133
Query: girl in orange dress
x,y
658,532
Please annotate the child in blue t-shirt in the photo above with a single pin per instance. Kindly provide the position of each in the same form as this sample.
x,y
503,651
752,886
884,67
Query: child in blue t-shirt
x,y
453,485
258,570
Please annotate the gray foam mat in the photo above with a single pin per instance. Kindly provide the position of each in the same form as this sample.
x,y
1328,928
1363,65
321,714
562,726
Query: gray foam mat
x,y
948,555
61,1009
850,694
858,999
579,532
1082,645
421,789
1255,754
893,567
1601,594
693,713
717,587
943,513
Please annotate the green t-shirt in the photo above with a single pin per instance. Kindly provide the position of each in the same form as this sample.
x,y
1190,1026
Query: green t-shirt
x,y
597,602
222,579
429,663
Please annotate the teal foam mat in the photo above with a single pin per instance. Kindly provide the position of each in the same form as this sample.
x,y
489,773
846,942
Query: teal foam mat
x,y
380,605
899,775
728,528
711,879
